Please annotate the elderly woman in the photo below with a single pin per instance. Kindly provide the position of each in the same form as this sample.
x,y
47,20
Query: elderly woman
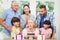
x,y
26,15
30,29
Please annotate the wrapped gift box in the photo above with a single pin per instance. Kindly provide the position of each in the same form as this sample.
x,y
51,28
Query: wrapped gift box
x,y
41,37
19,36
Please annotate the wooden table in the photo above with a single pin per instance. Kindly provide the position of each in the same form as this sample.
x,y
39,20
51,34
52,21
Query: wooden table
x,y
27,39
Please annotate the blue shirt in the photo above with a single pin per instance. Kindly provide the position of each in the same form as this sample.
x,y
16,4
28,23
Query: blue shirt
x,y
49,16
8,15
42,21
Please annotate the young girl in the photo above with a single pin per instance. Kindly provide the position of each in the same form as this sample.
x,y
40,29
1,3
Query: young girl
x,y
16,26
46,30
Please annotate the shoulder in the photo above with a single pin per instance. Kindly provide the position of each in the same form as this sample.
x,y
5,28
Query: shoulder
x,y
50,13
41,29
6,10
50,29
13,28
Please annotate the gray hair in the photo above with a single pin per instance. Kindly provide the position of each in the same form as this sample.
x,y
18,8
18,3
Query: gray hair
x,y
35,26
14,2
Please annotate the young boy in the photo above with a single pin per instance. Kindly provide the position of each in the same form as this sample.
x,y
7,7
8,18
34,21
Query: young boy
x,y
16,27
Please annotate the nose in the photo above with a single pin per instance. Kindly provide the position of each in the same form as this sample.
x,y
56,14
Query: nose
x,y
16,6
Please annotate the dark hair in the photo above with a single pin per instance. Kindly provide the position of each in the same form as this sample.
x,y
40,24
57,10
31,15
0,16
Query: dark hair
x,y
27,6
42,6
15,19
49,23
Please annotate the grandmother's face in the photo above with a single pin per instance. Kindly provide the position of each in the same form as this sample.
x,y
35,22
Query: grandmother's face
x,y
30,24
15,6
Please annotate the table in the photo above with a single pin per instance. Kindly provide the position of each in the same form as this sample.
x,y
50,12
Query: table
x,y
27,39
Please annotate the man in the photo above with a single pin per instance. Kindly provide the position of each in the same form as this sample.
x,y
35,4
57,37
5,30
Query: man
x,y
44,15
8,15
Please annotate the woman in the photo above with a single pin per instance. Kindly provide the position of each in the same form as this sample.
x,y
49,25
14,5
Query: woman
x,y
30,30
26,15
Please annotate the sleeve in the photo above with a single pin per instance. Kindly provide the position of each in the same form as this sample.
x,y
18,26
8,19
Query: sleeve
x,y
4,14
50,31
52,19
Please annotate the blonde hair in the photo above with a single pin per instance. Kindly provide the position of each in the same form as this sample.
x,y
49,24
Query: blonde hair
x,y
27,26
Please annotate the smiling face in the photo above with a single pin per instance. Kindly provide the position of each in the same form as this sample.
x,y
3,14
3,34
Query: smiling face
x,y
16,24
26,9
30,24
42,11
14,6
46,26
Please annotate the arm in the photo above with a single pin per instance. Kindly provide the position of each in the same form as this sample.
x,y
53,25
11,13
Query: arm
x,y
4,16
4,25
20,30
50,33
48,36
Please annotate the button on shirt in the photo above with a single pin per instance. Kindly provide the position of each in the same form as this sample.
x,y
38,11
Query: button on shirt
x,y
8,15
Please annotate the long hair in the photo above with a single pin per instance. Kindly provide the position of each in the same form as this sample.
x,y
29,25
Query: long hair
x,y
49,23
27,6
52,31
34,26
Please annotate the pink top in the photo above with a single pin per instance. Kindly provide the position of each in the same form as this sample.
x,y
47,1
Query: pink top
x,y
45,31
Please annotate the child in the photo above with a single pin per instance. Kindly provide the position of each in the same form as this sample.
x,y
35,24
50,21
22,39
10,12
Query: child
x,y
16,27
46,30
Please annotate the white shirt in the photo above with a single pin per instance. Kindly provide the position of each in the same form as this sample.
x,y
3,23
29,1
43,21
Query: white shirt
x,y
24,32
